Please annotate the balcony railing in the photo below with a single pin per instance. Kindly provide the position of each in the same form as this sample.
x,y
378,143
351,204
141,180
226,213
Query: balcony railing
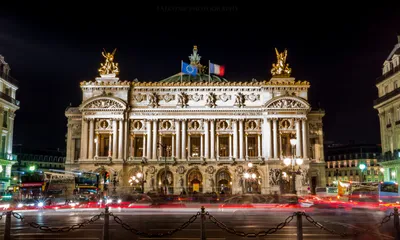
x,y
388,74
9,79
8,156
9,99
387,96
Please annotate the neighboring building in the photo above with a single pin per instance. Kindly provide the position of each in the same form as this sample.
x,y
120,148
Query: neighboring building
x,y
388,106
343,163
8,106
205,128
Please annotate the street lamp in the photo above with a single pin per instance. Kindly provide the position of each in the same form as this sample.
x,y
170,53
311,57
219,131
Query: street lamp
x,y
249,176
382,171
114,182
293,161
164,152
362,167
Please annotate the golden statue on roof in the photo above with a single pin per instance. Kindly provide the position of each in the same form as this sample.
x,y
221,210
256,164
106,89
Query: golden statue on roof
x,y
195,60
108,68
281,68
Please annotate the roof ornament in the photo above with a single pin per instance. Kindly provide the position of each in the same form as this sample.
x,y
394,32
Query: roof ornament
x,y
195,60
281,68
108,69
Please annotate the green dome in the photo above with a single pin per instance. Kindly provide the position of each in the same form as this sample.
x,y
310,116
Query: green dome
x,y
190,78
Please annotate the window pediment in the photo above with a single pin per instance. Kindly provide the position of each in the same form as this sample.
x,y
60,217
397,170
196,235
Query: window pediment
x,y
104,103
286,102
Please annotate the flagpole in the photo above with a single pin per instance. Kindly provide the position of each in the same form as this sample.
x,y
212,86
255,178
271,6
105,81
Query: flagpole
x,y
209,77
181,69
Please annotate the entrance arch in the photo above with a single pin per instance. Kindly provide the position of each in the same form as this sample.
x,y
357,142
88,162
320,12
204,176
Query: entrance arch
x,y
195,181
165,181
224,181
106,178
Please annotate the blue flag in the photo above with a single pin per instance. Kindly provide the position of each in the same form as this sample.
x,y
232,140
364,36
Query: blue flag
x,y
189,69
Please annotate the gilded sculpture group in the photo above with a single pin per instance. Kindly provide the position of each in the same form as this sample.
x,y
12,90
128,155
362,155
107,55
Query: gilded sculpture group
x,y
109,68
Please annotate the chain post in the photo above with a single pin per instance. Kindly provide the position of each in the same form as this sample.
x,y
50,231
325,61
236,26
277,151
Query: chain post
x,y
106,224
7,227
299,223
396,223
203,226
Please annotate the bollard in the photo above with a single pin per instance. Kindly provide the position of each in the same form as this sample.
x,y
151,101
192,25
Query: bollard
x,y
106,224
396,224
7,227
202,226
299,224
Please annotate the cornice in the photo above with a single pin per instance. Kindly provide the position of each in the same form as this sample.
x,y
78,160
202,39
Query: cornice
x,y
223,84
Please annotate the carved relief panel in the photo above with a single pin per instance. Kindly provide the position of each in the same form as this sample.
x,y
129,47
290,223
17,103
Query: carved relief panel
x,y
137,125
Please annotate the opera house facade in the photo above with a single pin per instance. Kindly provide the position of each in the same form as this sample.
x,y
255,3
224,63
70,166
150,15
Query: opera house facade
x,y
197,133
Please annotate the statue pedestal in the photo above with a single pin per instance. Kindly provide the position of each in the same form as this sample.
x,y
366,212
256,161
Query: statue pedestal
x,y
107,78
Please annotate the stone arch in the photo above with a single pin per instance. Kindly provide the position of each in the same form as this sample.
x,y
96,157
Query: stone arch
x,y
223,180
194,180
165,184
287,102
103,102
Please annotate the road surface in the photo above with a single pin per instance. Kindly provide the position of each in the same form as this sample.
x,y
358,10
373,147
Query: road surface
x,y
163,220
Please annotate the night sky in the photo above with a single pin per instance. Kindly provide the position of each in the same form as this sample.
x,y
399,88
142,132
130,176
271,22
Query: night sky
x,y
339,49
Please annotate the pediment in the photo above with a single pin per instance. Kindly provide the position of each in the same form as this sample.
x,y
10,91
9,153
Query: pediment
x,y
287,103
104,103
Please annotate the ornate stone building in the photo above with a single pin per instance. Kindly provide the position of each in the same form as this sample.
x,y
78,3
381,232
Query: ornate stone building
x,y
388,106
196,132
343,163
8,106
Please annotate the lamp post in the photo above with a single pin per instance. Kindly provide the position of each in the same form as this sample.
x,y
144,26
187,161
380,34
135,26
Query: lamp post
x,y
143,179
164,152
362,167
114,182
249,176
293,161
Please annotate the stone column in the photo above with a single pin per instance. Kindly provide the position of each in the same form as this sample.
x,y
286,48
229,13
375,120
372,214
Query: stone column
x,y
184,139
120,139
235,139
298,138
115,139
178,139
259,145
275,125
148,140
84,139
10,131
173,145
268,138
132,152
247,145
212,138
206,140
305,138
189,147
126,133
241,134
155,131
201,147
144,145
110,144
91,138
264,138
97,145
217,148
230,146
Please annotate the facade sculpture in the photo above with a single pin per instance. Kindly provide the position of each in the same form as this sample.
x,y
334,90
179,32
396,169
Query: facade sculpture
x,y
108,68
207,128
281,68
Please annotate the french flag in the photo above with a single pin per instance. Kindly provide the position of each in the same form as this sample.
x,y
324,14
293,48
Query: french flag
x,y
217,69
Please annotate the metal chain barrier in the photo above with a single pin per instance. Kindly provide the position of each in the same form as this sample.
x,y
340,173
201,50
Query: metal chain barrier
x,y
320,226
140,233
243,234
58,229
3,214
